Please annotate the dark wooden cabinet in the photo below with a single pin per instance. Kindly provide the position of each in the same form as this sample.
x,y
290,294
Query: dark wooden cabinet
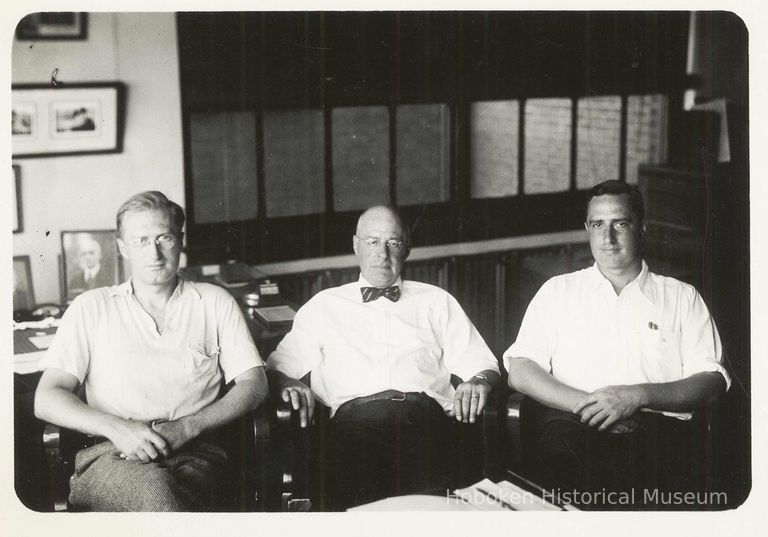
x,y
677,218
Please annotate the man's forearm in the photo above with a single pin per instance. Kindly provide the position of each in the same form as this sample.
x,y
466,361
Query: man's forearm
x,y
247,394
528,377
65,409
682,395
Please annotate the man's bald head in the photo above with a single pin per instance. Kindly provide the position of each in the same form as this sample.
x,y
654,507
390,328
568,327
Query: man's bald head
x,y
381,244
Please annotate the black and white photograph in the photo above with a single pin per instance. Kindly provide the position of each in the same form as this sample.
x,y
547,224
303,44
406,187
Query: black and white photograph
x,y
57,25
23,292
73,119
90,261
23,120
76,118
388,261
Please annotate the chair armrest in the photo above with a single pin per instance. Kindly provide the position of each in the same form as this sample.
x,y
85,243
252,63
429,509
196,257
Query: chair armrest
x,y
60,446
514,447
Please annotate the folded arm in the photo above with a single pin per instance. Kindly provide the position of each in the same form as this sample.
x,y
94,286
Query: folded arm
x,y
56,402
249,391
529,378
606,406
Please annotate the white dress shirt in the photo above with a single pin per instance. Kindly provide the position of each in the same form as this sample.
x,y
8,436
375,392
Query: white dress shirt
x,y
131,370
657,330
354,349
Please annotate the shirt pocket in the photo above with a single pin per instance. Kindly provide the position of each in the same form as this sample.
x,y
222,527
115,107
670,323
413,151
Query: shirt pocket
x,y
661,355
204,359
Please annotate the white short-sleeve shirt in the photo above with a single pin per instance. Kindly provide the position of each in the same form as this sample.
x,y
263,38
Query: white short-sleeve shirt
x,y
354,349
657,330
108,341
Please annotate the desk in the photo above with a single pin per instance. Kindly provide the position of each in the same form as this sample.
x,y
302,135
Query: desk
x,y
516,493
26,354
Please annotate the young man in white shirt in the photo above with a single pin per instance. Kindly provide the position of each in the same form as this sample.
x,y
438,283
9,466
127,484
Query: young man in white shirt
x,y
381,352
614,359
152,353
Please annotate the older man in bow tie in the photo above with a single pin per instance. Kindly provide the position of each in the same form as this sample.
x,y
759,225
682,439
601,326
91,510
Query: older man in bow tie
x,y
381,352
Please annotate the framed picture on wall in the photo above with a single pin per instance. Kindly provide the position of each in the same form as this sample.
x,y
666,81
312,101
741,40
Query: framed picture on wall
x,y
53,25
18,226
76,119
23,293
89,260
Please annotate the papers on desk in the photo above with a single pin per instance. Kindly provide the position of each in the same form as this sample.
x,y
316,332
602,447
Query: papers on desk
x,y
48,322
42,342
503,496
27,363
482,496
416,502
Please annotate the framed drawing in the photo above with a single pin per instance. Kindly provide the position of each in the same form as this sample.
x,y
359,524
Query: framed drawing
x,y
23,294
18,225
90,260
76,119
53,25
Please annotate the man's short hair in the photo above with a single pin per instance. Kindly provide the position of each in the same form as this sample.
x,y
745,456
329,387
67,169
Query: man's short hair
x,y
617,188
152,200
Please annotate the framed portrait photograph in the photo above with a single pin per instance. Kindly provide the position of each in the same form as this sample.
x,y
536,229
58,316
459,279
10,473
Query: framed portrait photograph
x,y
18,226
53,25
89,260
76,119
23,293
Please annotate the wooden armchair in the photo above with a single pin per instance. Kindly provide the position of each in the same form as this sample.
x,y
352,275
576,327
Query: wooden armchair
x,y
262,461
297,443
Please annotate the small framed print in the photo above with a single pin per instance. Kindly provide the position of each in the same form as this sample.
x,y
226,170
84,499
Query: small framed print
x,y
53,25
18,226
23,293
89,260
77,119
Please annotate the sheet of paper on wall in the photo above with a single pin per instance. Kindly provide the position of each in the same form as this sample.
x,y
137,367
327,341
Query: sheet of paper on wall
x,y
721,107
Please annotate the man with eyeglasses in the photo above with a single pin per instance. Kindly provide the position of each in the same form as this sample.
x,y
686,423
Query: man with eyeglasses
x,y
614,359
152,353
381,352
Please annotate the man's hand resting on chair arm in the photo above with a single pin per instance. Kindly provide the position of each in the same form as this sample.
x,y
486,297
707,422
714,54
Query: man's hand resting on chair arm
x,y
472,395
607,406
295,392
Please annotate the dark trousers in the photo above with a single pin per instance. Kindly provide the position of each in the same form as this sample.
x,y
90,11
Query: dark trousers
x,y
386,448
664,454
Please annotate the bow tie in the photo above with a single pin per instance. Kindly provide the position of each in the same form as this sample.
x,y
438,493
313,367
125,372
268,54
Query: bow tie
x,y
372,293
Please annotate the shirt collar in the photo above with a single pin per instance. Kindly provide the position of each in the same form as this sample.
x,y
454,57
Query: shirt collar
x,y
642,281
183,287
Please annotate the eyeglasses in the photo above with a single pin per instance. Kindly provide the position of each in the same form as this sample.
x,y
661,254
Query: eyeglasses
x,y
393,244
165,242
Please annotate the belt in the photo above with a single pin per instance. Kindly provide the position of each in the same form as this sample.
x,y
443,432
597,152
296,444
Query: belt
x,y
388,395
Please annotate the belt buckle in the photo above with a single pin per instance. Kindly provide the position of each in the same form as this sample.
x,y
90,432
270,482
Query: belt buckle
x,y
401,397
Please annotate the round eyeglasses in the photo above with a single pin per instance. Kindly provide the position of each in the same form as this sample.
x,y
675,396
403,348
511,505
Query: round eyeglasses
x,y
165,242
393,244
